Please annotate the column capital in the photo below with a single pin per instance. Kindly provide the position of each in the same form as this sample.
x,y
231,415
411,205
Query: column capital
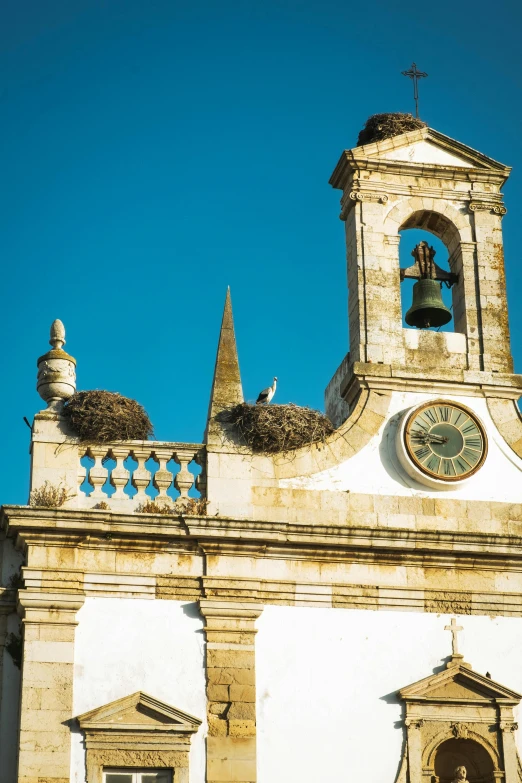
x,y
235,610
49,608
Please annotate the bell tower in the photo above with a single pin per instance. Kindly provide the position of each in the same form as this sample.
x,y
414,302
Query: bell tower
x,y
423,179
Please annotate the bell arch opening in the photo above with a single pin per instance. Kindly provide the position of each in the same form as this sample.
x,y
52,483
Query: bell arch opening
x,y
409,239
468,753
437,231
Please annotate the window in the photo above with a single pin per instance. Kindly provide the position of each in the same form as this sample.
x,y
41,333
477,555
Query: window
x,y
137,776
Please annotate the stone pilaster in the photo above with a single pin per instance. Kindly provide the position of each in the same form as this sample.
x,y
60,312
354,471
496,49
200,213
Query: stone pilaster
x,y
374,294
508,728
492,291
49,622
231,692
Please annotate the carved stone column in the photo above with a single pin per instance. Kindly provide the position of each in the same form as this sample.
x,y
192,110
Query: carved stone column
x,y
49,622
508,727
231,693
414,725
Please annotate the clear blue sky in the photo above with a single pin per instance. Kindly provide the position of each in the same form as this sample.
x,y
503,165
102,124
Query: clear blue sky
x,y
156,151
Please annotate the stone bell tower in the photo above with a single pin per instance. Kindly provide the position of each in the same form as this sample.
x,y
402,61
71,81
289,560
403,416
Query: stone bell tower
x,y
425,180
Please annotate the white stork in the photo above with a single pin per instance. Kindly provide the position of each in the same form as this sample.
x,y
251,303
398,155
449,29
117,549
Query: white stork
x,y
266,395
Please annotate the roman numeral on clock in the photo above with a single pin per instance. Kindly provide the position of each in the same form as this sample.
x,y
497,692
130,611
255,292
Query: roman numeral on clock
x,y
422,453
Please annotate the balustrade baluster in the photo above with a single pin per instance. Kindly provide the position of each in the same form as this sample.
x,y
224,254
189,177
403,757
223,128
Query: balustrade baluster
x,y
201,480
98,473
184,479
163,477
141,476
119,475
82,475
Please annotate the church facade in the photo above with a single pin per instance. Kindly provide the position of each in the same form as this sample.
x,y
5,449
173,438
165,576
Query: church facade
x,y
349,610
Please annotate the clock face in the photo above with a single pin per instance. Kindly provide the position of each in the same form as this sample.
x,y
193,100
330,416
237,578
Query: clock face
x,y
445,440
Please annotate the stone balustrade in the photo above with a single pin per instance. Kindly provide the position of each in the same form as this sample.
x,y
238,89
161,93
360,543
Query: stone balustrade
x,y
125,475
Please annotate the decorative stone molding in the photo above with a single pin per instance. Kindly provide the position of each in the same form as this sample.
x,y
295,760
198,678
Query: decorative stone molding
x,y
460,730
508,420
352,196
391,536
435,738
368,195
56,370
498,209
508,726
138,731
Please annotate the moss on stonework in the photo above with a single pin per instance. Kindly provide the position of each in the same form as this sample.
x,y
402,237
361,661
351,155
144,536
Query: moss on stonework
x,y
385,126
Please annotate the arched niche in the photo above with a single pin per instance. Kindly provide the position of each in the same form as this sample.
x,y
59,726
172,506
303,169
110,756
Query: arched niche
x,y
459,717
469,753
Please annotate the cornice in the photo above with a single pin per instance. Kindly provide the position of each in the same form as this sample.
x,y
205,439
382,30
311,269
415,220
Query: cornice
x,y
254,538
468,383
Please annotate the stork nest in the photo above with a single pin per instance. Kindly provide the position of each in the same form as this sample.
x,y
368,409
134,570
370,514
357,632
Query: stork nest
x,y
385,126
271,428
103,416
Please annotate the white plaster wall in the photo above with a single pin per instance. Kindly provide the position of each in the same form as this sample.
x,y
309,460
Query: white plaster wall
x,y
376,468
327,678
9,708
124,645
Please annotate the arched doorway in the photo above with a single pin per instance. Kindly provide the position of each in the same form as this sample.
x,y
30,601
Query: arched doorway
x,y
463,752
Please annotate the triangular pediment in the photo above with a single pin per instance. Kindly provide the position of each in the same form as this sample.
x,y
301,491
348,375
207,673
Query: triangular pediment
x,y
459,683
426,151
428,146
424,147
138,711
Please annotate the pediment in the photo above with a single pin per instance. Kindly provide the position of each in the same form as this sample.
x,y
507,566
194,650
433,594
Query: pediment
x,y
459,683
139,711
427,146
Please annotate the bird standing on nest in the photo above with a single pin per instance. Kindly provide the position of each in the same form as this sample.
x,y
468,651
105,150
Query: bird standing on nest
x,y
266,395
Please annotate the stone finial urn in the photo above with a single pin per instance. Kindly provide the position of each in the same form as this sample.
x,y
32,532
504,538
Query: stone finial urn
x,y
56,370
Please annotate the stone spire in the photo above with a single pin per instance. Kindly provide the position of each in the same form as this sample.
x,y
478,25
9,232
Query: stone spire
x,y
226,386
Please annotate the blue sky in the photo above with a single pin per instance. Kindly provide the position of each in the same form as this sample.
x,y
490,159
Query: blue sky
x,y
156,151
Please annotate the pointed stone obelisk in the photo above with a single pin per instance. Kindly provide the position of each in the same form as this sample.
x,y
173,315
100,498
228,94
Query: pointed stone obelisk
x,y
226,386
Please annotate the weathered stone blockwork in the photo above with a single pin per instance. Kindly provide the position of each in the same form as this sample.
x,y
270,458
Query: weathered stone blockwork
x,y
231,742
334,525
459,201
46,707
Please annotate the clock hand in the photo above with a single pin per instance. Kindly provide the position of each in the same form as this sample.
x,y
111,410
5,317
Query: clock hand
x,y
427,437
436,438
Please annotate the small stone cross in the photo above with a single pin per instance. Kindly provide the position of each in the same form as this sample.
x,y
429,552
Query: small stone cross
x,y
454,628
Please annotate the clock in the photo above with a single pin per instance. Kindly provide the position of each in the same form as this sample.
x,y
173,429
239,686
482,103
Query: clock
x,y
442,442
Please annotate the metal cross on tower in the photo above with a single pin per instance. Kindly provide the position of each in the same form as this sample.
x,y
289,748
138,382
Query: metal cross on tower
x,y
454,628
415,75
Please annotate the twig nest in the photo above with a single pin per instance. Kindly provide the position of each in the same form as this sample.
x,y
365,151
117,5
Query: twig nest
x,y
271,428
102,416
385,126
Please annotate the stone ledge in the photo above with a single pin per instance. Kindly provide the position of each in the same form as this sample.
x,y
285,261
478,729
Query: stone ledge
x,y
394,521
388,378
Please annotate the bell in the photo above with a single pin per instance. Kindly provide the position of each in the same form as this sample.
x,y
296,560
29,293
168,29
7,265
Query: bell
x,y
427,309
